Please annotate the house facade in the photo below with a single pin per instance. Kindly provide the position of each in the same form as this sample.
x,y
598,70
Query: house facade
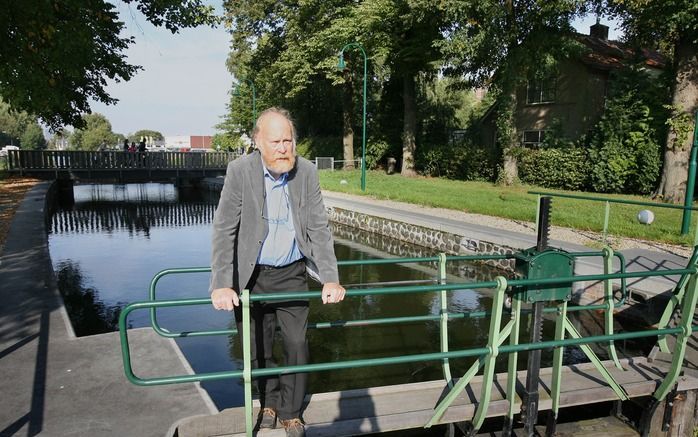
x,y
573,100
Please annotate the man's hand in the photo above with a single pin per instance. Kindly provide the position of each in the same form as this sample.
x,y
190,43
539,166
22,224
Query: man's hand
x,y
225,299
332,292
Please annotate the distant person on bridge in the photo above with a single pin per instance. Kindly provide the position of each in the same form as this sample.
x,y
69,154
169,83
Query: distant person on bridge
x,y
125,144
269,226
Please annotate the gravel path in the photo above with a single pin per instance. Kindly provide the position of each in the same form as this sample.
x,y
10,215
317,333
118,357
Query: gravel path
x,y
586,238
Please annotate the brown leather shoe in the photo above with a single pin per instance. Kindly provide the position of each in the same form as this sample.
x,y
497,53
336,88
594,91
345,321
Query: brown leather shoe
x,y
267,418
294,427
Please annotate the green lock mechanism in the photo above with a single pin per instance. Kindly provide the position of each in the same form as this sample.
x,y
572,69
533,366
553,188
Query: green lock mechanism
x,y
550,263
539,262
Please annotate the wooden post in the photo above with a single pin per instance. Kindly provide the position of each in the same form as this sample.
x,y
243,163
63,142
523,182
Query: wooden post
x,y
681,420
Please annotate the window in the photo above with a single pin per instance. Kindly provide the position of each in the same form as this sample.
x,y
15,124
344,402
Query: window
x,y
533,138
541,91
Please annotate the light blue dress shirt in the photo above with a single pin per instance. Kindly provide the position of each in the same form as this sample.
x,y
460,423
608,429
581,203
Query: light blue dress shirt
x,y
279,247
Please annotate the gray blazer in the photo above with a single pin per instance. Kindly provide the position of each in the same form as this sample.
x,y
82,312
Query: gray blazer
x,y
239,230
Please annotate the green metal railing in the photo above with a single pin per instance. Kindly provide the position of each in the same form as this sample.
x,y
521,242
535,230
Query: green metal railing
x,y
442,259
685,296
607,210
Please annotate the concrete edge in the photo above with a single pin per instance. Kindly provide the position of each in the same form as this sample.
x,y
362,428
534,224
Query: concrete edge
x,y
46,191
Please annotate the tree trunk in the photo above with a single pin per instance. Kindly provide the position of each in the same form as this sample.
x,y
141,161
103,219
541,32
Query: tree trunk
x,y
348,121
672,186
409,128
506,129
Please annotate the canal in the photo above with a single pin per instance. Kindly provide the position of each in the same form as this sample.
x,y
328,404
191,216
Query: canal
x,y
108,241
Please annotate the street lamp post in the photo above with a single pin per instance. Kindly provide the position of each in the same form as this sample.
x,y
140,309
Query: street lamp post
x,y
341,66
254,99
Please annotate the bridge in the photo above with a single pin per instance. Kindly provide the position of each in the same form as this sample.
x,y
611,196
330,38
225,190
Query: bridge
x,y
117,166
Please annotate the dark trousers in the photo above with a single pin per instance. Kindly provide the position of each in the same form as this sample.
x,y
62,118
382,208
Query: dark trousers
x,y
285,393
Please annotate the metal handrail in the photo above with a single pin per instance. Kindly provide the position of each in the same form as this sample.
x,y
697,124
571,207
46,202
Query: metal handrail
x,y
486,355
607,211
379,321
611,200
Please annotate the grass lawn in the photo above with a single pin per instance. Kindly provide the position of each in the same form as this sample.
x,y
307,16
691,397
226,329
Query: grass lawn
x,y
515,203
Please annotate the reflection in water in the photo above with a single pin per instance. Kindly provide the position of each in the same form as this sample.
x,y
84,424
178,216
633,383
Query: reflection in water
x,y
88,314
108,245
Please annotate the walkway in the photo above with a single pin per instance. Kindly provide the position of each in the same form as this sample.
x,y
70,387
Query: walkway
x,y
55,384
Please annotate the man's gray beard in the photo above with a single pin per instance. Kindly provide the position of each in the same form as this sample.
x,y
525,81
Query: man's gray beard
x,y
283,167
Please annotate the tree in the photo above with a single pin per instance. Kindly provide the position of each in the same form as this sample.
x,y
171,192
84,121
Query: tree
x,y
671,26
33,137
57,54
20,129
290,48
146,133
97,132
503,43
227,142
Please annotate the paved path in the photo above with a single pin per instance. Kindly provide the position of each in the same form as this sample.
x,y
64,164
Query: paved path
x,y
54,384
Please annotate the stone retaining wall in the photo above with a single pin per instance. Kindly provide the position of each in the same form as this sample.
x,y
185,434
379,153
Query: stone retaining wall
x,y
438,240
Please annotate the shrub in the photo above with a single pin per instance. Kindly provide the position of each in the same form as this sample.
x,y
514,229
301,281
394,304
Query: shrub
x,y
624,149
376,150
561,168
625,145
457,161
312,147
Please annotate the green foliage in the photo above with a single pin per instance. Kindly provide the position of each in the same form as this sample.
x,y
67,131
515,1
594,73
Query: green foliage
x,y
657,24
376,151
56,55
443,108
33,137
312,147
20,129
146,133
97,133
227,142
461,160
559,168
681,124
624,146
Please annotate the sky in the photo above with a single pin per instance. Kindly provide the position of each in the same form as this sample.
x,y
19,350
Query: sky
x,y
184,85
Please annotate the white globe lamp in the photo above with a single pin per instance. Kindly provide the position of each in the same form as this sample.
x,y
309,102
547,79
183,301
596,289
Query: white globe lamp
x,y
646,217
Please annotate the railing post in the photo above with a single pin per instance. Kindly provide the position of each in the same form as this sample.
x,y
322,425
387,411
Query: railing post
x,y
444,320
690,181
247,361
608,296
688,309
606,216
512,368
493,343
557,368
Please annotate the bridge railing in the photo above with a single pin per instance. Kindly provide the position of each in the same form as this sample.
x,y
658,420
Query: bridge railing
x,y
53,160
685,295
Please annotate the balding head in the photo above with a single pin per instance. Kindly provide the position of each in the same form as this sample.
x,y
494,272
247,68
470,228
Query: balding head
x,y
269,112
274,136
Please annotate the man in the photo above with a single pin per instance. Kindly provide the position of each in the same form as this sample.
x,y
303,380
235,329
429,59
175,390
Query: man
x,y
270,223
